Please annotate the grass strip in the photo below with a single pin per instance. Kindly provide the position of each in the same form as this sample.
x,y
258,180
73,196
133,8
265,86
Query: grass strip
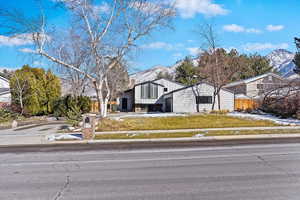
x,y
180,122
193,134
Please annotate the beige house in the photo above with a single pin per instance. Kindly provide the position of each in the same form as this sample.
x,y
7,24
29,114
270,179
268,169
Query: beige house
x,y
257,86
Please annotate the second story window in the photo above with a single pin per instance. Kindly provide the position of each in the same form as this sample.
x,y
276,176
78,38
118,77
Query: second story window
x,y
165,89
149,91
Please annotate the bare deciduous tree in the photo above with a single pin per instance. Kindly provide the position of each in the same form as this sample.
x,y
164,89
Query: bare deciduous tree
x,y
109,32
218,68
216,65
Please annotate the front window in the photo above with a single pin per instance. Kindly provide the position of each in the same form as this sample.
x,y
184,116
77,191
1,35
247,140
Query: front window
x,y
149,91
204,100
260,86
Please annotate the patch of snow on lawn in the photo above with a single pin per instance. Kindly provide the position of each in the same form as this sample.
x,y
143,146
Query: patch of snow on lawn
x,y
277,120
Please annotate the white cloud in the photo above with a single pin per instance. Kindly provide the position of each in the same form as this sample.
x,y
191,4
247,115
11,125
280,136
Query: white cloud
x,y
274,27
18,40
253,30
234,28
188,9
102,8
240,29
264,46
194,51
158,45
163,45
27,50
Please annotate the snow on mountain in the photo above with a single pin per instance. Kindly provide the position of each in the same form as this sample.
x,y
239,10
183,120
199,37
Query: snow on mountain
x,y
282,61
151,74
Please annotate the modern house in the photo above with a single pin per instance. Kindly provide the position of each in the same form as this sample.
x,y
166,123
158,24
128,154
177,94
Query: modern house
x,y
197,98
257,86
147,96
162,95
5,96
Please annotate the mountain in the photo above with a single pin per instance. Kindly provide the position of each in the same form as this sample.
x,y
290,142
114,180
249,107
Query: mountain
x,y
151,74
280,59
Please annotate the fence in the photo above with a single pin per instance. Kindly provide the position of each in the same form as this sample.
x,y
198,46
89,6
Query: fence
x,y
245,104
111,106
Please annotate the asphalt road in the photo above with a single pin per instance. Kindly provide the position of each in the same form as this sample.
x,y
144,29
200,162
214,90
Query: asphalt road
x,y
235,173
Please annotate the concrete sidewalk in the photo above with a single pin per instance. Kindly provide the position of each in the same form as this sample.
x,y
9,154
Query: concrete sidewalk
x,y
41,139
22,140
201,130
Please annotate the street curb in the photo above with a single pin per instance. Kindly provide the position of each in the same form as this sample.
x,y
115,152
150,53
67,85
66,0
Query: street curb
x,y
206,140
184,139
118,145
199,130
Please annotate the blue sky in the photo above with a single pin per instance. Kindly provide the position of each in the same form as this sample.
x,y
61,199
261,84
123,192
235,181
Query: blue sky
x,y
248,25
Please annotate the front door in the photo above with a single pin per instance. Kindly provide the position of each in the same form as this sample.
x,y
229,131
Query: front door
x,y
169,104
124,104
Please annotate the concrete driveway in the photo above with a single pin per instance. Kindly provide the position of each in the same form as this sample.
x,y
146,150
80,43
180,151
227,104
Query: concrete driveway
x,y
35,129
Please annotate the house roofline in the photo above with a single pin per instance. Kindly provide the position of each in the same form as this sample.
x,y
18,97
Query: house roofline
x,y
199,83
1,77
170,81
249,80
147,82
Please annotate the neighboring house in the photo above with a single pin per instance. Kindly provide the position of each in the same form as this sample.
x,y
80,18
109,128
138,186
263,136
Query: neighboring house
x,y
197,98
257,86
5,96
162,95
148,96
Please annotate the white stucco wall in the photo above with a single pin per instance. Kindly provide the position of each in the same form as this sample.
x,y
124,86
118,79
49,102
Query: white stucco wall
x,y
185,100
169,84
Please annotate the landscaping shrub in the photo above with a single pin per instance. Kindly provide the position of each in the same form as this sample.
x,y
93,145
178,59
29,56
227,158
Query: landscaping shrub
x,y
34,90
7,115
72,107
283,107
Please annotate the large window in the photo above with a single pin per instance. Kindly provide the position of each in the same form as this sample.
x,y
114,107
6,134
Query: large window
x,y
204,100
149,91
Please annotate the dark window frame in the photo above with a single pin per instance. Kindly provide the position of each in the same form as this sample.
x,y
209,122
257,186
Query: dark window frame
x,y
165,89
149,91
203,99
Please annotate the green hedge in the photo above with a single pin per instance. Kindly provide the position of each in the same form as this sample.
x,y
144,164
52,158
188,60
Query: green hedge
x,y
72,107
